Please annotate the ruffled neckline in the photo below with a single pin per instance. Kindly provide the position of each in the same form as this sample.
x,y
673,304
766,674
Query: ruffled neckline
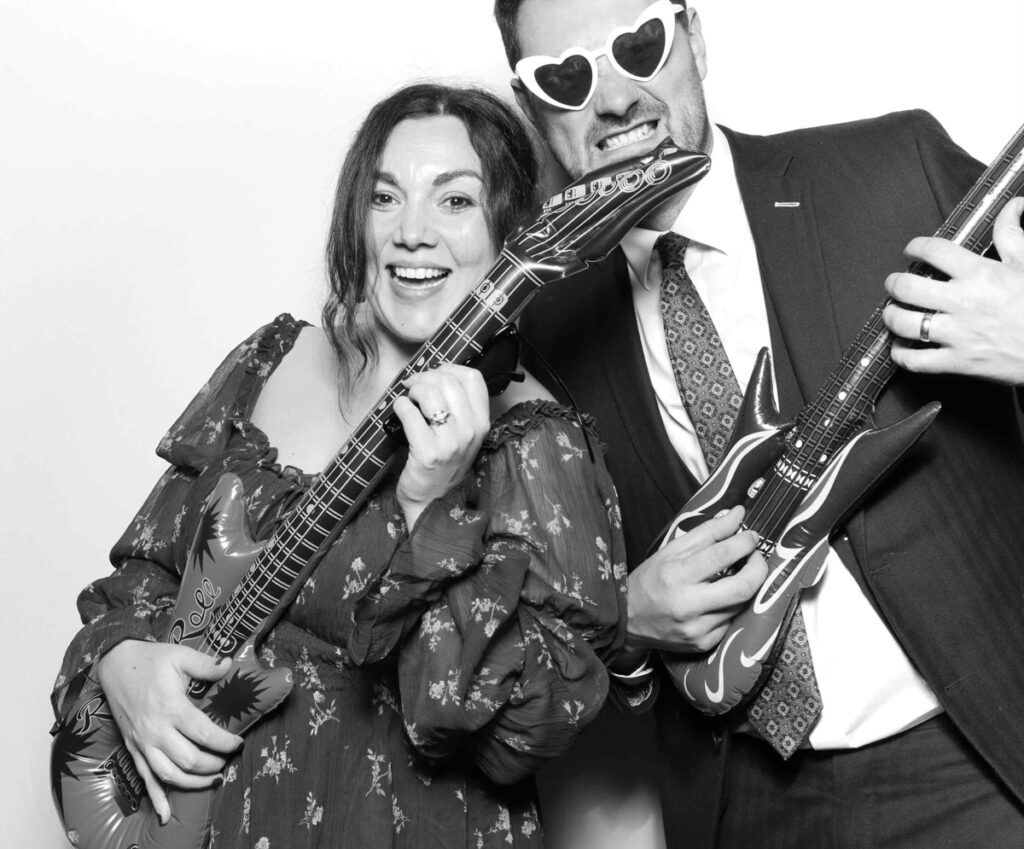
x,y
273,346
512,423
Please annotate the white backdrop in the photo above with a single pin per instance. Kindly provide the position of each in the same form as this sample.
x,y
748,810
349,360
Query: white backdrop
x,y
166,171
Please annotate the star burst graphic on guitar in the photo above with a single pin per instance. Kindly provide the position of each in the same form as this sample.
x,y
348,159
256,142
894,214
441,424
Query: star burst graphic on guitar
x,y
234,698
208,531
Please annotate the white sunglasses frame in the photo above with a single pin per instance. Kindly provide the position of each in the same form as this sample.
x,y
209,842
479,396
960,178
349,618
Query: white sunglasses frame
x,y
663,10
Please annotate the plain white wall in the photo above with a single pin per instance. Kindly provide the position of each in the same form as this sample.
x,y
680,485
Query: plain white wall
x,y
166,171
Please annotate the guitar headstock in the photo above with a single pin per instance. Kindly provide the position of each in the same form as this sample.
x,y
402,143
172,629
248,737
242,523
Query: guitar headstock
x,y
586,219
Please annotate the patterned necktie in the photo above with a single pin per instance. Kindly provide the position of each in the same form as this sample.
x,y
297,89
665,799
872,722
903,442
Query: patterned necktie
x,y
789,703
702,371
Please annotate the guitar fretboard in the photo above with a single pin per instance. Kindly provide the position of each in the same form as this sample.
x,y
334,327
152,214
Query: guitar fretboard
x,y
313,523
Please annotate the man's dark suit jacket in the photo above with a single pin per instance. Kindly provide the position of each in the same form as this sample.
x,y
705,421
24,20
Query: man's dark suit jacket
x,y
939,546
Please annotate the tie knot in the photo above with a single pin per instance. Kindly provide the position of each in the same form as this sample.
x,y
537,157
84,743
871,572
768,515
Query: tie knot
x,y
671,248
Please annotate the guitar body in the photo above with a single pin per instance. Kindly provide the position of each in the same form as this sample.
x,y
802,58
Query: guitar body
x,y
758,438
796,556
99,793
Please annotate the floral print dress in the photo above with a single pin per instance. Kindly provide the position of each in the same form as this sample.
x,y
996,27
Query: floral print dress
x,y
435,668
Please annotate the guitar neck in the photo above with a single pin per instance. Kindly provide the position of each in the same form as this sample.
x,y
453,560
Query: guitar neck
x,y
847,400
339,491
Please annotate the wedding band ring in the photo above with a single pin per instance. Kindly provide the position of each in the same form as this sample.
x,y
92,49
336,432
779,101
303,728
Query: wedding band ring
x,y
439,417
925,332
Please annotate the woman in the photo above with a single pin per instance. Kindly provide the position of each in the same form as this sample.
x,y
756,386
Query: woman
x,y
454,636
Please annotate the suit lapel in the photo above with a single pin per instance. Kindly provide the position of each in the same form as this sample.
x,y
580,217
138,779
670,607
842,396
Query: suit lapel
x,y
781,211
806,341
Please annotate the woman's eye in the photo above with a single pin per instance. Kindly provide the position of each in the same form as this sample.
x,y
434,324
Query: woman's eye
x,y
382,200
458,203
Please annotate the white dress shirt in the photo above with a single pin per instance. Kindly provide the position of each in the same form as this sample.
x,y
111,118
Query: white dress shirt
x,y
869,688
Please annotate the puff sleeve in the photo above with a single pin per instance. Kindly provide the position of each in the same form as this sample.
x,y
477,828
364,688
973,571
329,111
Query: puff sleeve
x,y
520,578
135,600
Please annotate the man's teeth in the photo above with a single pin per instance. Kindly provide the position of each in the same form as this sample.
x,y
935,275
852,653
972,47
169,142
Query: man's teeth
x,y
640,133
418,273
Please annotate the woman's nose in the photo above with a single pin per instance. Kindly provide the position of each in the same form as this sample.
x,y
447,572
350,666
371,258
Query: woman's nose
x,y
415,227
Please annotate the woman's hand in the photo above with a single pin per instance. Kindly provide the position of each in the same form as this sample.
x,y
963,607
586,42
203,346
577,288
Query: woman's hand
x,y
170,739
445,416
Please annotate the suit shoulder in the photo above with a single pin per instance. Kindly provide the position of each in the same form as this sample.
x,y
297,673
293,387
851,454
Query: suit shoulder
x,y
888,149
892,128
884,142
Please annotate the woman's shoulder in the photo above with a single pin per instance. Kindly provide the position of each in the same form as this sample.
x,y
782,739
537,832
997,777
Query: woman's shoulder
x,y
526,406
541,419
230,391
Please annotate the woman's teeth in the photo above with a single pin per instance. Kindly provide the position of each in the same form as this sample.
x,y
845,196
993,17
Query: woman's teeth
x,y
417,275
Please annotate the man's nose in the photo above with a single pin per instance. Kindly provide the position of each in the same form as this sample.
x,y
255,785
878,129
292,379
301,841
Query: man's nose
x,y
615,93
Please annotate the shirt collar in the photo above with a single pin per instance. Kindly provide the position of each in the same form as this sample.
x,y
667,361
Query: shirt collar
x,y
711,216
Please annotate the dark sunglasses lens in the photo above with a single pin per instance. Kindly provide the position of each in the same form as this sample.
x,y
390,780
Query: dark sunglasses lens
x,y
639,52
567,82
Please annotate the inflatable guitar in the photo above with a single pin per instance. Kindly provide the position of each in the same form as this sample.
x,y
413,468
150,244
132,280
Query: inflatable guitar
x,y
800,480
234,589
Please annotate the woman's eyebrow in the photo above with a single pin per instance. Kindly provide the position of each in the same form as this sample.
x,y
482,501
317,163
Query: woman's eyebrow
x,y
448,176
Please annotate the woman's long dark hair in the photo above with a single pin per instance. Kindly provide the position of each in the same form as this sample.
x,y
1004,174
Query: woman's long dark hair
x,y
510,179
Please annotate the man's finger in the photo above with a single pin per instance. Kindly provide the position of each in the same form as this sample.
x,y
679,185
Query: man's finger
x,y
921,292
1008,235
913,325
705,534
941,254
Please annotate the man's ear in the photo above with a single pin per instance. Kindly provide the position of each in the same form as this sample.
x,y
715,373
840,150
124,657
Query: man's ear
x,y
524,100
697,47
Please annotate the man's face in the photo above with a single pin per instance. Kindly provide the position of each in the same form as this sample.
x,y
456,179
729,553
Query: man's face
x,y
624,117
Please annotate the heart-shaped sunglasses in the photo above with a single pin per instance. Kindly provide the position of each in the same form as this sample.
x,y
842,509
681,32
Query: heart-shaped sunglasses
x,y
638,52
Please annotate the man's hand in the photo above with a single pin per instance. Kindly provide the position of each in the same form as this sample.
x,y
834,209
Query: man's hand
x,y
978,323
674,604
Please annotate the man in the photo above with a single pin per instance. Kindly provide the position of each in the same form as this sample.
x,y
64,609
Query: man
x,y
915,628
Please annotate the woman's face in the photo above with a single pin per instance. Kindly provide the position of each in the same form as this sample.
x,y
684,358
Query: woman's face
x,y
428,243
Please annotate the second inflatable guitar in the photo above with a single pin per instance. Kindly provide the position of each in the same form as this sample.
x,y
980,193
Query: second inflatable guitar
x,y
800,480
